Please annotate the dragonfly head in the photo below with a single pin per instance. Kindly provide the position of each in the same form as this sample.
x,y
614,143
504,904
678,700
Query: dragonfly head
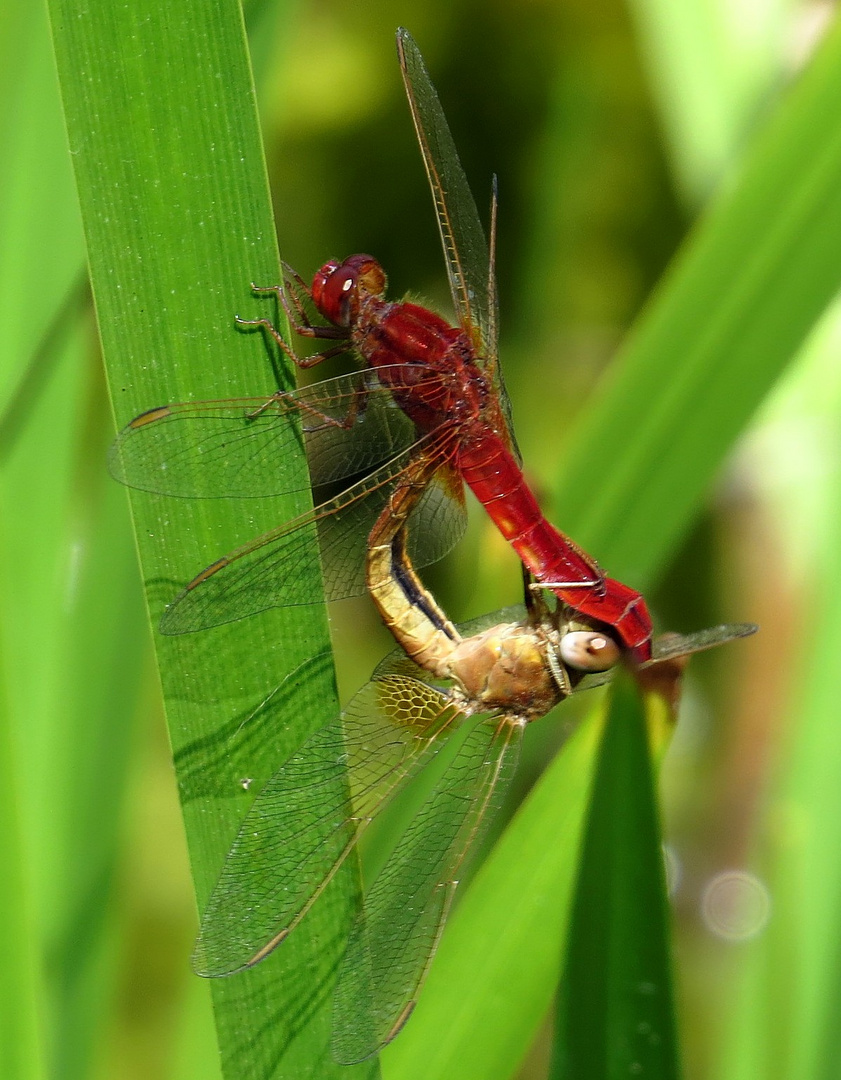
x,y
575,654
588,651
337,287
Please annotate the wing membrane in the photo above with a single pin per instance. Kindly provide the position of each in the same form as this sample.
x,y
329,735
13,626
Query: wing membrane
x,y
304,822
465,247
470,263
668,646
249,447
275,569
395,936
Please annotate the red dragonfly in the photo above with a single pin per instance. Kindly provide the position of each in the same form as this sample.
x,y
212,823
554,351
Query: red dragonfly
x,y
430,392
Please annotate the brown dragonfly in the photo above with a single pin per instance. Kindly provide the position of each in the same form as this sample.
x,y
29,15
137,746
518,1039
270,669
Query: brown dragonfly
x,y
478,689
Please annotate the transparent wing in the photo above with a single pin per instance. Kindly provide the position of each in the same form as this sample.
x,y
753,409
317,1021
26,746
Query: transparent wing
x,y
273,570
465,247
668,646
304,822
248,447
470,263
671,646
395,936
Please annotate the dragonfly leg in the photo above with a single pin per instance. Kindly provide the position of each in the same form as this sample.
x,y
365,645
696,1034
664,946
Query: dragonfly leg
x,y
269,328
357,407
559,672
296,313
534,598
587,583
300,323
345,423
295,292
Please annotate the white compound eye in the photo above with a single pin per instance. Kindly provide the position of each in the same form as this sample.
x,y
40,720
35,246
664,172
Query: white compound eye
x,y
587,650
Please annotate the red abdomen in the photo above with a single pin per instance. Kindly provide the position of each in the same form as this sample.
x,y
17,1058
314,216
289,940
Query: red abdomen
x,y
495,478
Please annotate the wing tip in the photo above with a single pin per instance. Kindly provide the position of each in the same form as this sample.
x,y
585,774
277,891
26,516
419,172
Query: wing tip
x,y
670,646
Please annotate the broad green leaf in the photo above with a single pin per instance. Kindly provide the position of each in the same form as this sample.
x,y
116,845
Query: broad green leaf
x,y
69,634
615,1013
21,1040
169,167
737,304
779,1018
711,68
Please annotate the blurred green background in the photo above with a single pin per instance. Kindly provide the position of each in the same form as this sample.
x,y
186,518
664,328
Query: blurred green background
x,y
611,128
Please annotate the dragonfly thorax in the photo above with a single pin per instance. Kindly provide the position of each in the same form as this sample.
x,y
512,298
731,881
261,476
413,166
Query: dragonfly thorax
x,y
505,668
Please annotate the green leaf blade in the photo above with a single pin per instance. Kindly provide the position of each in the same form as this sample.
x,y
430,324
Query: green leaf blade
x,y
500,956
755,277
169,166
615,1013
